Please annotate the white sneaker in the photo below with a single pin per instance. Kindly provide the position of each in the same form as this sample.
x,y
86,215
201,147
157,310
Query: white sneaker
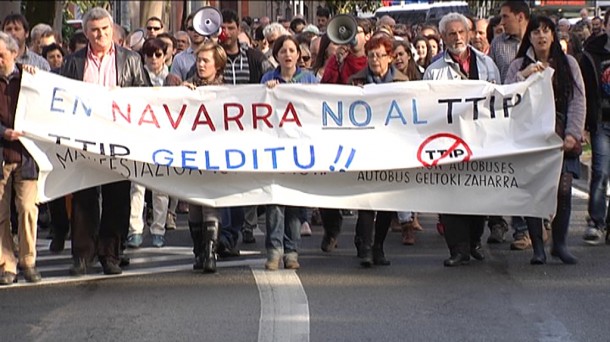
x,y
305,229
593,236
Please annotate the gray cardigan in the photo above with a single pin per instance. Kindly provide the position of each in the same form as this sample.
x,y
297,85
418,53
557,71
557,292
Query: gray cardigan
x,y
576,105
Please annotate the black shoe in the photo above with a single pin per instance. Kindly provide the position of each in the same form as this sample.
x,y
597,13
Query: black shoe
x,y
110,267
367,257
124,261
198,264
8,278
538,260
457,260
247,235
329,243
79,268
209,264
225,250
31,275
564,255
477,253
57,245
379,258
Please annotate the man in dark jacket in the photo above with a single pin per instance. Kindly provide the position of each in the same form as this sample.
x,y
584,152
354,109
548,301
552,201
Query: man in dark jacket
x,y
595,66
18,165
104,63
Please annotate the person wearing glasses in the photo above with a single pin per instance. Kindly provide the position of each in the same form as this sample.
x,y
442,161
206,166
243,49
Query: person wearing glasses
x,y
461,61
154,27
379,69
185,60
153,50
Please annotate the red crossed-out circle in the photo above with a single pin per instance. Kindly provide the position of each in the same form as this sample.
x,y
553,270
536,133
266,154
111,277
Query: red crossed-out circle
x,y
454,145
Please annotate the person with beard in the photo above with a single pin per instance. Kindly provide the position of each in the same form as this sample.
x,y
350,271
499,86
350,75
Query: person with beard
x,y
461,61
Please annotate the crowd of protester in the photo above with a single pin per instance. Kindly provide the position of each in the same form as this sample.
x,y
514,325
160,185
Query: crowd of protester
x,y
502,49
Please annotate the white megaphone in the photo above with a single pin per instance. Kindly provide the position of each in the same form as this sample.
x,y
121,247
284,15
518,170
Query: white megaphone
x,y
342,29
207,21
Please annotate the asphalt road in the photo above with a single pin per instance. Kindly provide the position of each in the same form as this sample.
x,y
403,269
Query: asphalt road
x,y
331,298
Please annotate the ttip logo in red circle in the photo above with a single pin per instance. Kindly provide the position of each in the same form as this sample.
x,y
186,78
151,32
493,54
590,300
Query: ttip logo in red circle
x,y
441,146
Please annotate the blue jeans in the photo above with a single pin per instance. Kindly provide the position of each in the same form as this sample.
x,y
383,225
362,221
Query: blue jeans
x,y
283,228
600,169
232,220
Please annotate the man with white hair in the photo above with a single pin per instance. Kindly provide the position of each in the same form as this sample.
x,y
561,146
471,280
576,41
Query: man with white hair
x,y
19,172
109,65
461,61
272,32
35,35
563,25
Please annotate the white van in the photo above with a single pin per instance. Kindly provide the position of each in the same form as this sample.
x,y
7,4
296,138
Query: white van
x,y
420,13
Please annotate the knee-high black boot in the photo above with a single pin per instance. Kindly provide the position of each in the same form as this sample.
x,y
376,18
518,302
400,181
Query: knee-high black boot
x,y
196,229
210,240
561,222
382,225
534,227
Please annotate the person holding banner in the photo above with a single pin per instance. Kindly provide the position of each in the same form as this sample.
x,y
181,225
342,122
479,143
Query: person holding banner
x,y
379,70
339,68
107,64
19,171
540,49
203,221
283,224
153,50
461,61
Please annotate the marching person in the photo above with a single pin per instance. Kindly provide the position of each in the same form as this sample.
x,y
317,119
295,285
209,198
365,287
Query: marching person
x,y
379,70
461,61
19,172
203,221
283,225
347,61
104,63
540,49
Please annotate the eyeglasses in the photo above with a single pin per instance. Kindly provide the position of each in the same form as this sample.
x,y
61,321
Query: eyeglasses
x,y
153,28
190,28
306,58
376,55
156,54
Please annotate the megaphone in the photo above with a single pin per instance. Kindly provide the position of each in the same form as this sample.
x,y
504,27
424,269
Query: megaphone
x,y
342,29
207,22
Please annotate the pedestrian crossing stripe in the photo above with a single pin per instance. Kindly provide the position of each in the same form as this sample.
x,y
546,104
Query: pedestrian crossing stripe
x,y
143,261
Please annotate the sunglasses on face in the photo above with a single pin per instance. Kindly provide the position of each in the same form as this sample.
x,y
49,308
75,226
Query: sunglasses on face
x,y
306,58
153,28
156,54
190,28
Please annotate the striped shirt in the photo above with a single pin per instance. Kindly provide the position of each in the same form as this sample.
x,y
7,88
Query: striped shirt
x,y
237,70
503,51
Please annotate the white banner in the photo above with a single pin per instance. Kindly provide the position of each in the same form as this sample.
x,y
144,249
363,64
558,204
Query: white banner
x,y
451,147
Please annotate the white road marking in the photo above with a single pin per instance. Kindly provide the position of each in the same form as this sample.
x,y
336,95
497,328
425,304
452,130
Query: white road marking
x,y
579,193
284,306
127,272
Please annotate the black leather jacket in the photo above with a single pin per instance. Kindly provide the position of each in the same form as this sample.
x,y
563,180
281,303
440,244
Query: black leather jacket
x,y
130,69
